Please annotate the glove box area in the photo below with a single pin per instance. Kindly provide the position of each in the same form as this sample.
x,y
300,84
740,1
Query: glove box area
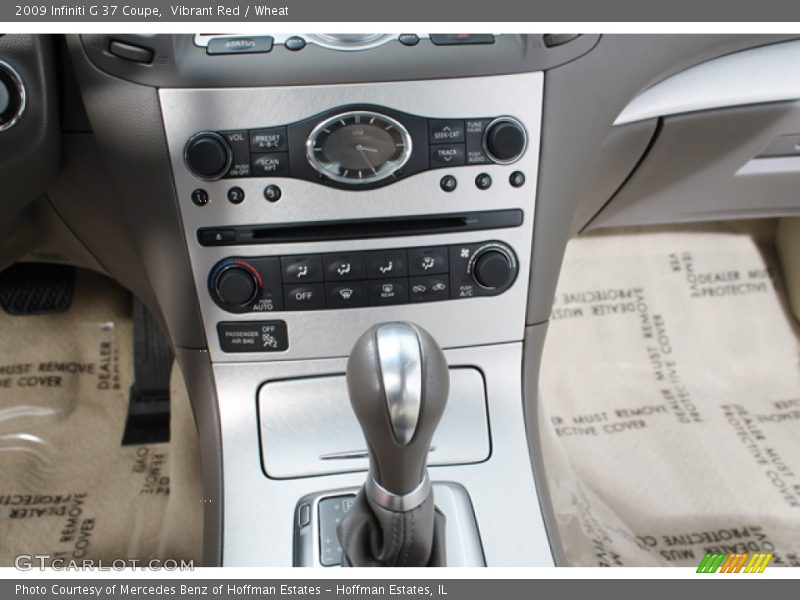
x,y
308,428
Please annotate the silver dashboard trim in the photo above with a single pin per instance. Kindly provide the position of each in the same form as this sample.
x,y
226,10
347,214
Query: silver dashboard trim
x,y
317,334
754,76
501,489
308,428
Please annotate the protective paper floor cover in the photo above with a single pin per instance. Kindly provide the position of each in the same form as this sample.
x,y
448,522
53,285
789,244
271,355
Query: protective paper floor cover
x,y
68,489
670,399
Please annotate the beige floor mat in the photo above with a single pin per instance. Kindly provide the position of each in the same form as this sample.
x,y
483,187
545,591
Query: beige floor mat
x,y
670,399
68,489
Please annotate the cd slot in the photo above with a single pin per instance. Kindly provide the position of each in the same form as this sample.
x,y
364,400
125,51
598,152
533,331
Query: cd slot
x,y
320,231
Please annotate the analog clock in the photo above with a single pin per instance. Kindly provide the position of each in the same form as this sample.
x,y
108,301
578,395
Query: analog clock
x,y
358,147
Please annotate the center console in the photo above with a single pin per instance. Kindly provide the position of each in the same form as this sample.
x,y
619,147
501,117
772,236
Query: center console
x,y
311,213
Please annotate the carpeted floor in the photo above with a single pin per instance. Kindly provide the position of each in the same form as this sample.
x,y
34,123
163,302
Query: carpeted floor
x,y
670,398
68,488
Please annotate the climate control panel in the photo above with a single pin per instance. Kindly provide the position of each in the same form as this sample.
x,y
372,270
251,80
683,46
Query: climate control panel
x,y
355,147
359,279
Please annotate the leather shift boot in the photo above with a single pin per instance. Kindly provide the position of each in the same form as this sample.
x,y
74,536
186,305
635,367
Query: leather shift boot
x,y
372,536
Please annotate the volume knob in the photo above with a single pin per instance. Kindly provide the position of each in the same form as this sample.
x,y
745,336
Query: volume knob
x,y
208,156
505,140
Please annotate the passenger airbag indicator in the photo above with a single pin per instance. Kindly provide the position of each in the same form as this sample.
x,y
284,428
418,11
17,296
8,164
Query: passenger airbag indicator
x,y
253,336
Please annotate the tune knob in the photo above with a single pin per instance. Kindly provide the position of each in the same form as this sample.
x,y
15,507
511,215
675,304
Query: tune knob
x,y
494,267
505,140
235,284
208,155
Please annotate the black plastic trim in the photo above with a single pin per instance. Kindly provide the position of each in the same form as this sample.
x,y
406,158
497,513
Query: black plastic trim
x,y
364,228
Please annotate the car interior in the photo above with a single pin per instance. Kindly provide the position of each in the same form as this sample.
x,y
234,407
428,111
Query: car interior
x,y
388,300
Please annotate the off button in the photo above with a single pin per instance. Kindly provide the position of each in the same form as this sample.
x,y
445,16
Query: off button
x,y
304,297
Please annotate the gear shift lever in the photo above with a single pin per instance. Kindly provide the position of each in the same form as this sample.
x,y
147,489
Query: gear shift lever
x,y
398,381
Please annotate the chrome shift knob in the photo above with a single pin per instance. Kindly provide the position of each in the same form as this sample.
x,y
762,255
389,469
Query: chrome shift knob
x,y
398,381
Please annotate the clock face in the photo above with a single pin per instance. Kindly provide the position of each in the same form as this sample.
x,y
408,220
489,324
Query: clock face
x,y
358,147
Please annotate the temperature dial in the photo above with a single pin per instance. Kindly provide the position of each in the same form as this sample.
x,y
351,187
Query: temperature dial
x,y
235,284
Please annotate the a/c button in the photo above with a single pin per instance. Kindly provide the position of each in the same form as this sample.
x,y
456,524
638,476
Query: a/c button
x,y
304,297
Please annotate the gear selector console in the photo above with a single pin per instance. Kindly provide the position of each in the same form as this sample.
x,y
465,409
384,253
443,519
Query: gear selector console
x,y
315,213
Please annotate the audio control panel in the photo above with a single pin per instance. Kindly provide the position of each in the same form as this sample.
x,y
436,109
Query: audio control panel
x,y
366,278
357,147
